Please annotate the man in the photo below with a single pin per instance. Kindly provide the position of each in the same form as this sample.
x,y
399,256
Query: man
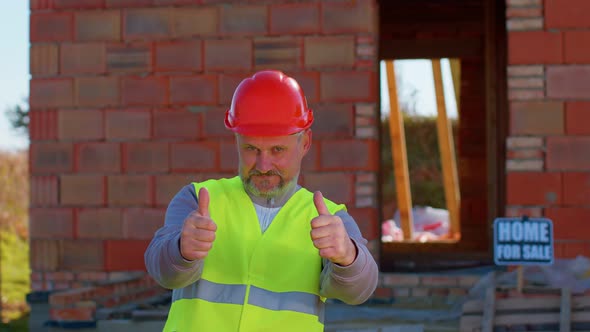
x,y
257,252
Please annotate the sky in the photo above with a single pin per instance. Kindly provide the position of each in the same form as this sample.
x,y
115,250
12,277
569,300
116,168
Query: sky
x,y
414,76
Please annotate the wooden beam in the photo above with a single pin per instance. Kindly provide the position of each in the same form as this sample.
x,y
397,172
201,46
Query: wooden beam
x,y
456,74
447,153
487,321
565,315
399,154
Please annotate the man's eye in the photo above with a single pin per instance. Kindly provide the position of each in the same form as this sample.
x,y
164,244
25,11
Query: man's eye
x,y
278,149
250,148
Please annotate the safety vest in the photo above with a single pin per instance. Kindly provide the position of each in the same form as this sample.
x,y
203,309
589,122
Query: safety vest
x,y
253,281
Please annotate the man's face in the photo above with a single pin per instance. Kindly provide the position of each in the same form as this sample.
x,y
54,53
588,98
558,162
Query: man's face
x,y
269,166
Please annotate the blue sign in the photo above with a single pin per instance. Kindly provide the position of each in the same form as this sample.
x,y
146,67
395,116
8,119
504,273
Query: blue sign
x,y
523,241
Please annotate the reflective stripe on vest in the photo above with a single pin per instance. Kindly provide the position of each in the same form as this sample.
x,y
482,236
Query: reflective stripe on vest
x,y
235,294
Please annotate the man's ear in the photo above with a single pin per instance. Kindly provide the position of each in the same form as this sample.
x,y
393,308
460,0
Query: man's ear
x,y
306,140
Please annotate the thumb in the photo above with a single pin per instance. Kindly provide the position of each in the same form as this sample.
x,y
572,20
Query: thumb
x,y
320,205
204,202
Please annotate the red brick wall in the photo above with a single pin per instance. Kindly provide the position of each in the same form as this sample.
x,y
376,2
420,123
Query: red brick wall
x,y
548,155
127,101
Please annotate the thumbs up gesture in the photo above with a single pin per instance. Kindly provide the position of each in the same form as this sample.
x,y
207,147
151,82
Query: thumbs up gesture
x,y
329,235
198,230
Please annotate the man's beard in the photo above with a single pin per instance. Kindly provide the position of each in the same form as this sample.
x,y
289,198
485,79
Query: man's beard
x,y
274,192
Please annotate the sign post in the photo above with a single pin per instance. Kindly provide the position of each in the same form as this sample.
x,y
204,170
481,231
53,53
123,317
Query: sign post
x,y
523,241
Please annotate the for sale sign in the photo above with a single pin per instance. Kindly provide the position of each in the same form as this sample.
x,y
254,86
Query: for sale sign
x,y
523,241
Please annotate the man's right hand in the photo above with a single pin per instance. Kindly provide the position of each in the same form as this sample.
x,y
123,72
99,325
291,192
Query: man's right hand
x,y
198,230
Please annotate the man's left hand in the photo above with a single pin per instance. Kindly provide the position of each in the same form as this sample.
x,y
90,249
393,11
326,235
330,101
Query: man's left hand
x,y
329,235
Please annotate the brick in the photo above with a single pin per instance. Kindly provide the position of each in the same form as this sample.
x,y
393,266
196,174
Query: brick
x,y
227,85
577,115
535,47
525,24
537,118
243,19
47,93
128,3
44,254
526,83
102,223
341,18
197,89
367,221
310,161
523,3
568,153
348,86
51,223
576,188
82,255
142,224
349,155
104,25
98,157
169,185
277,52
43,191
439,281
129,190
526,94
82,190
337,51
78,4
576,49
569,223
213,124
525,70
125,255
400,280
175,2
51,27
195,21
524,142
179,56
194,157
80,125
145,157
148,91
310,84
91,276
571,249
41,4
560,14
82,58
147,23
519,211
512,12
129,58
333,120
51,158
568,81
533,188
335,186
228,54
43,59
181,124
382,293
128,124
97,91
228,156
42,125
524,165
525,154
294,18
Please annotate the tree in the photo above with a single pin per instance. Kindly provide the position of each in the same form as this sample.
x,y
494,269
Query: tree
x,y
19,118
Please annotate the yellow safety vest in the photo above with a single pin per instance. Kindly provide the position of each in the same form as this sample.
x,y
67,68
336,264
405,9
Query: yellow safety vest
x,y
253,281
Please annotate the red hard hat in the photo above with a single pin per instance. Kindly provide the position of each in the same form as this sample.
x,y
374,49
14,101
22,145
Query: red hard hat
x,y
269,103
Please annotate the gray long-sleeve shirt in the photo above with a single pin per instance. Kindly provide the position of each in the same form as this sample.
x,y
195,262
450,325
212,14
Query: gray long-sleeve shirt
x,y
351,284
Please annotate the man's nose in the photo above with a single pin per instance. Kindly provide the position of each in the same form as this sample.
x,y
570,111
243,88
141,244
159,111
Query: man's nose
x,y
263,162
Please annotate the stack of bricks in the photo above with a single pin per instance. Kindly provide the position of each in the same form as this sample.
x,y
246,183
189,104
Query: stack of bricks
x,y
81,304
549,139
398,287
127,100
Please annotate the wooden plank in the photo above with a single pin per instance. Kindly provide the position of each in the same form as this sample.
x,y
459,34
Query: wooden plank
x,y
487,323
455,64
447,153
427,48
578,303
400,155
566,310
